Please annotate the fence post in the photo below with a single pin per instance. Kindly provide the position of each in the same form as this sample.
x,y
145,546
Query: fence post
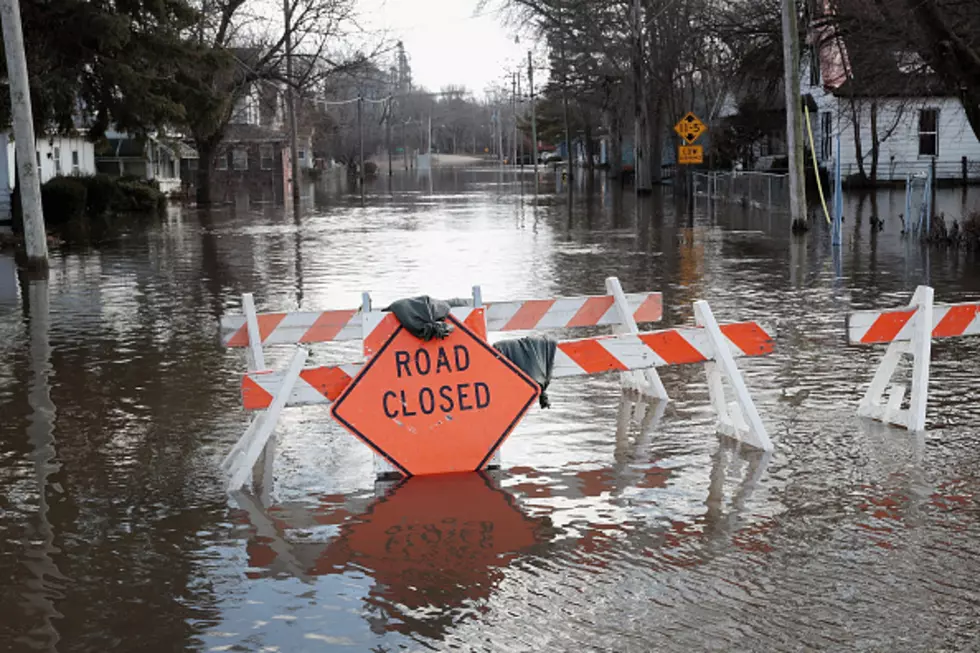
x,y
963,164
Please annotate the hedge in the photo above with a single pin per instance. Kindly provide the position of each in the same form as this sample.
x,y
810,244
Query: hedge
x,y
95,197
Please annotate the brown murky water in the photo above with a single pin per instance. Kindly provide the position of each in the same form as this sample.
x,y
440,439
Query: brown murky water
x,y
613,526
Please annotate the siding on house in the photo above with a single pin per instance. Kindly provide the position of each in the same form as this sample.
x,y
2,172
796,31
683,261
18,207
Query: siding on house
x,y
58,155
898,127
62,155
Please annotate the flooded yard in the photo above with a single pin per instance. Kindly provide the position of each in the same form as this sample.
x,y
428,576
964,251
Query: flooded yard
x,y
614,524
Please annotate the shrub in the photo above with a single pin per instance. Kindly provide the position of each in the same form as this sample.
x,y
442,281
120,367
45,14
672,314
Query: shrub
x,y
63,200
102,195
138,196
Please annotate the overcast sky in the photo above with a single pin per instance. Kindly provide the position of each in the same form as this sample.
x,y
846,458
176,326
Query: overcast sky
x,y
449,42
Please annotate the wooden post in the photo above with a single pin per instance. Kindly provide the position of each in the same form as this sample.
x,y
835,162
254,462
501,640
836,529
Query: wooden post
x,y
794,116
534,122
28,170
964,167
291,106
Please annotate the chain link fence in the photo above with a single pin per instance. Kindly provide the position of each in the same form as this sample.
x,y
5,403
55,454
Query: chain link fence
x,y
752,189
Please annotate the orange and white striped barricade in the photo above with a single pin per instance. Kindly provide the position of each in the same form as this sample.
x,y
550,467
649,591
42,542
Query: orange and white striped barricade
x,y
908,331
253,331
714,346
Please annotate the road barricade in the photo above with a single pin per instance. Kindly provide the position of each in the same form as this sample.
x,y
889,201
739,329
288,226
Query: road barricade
x,y
909,331
389,402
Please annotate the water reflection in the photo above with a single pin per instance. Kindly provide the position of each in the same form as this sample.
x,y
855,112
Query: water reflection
x,y
432,545
646,531
42,588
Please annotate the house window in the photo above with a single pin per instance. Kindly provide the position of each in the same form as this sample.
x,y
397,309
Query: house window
x,y
239,158
75,168
57,160
38,159
192,164
301,155
826,135
266,155
222,160
929,132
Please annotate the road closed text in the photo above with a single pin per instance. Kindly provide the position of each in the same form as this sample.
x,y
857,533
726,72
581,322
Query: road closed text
x,y
439,392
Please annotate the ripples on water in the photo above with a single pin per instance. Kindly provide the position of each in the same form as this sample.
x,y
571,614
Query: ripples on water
x,y
616,524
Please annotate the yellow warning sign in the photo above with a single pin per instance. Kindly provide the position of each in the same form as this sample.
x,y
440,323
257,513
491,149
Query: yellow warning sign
x,y
690,128
690,154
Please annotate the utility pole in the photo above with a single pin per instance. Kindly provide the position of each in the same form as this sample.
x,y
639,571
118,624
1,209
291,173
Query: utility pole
x,y
517,127
29,187
500,135
794,115
360,137
513,111
291,106
388,132
534,122
641,177
564,92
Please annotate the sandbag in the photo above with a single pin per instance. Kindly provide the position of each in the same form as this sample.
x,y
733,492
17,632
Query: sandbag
x,y
423,317
535,356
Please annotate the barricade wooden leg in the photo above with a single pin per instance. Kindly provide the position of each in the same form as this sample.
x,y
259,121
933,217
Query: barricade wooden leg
x,y
922,353
873,404
647,381
250,448
262,473
746,424
496,461
254,355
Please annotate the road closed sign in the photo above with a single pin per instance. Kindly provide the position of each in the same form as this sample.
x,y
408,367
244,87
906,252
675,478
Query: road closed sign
x,y
436,407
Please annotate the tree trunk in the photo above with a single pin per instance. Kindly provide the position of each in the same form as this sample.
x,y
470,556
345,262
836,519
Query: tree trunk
x,y
956,59
614,152
858,150
875,144
207,151
589,146
656,132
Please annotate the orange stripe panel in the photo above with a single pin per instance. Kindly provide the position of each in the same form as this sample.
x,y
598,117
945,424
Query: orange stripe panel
x,y
672,347
267,324
254,396
529,314
328,381
887,326
592,311
749,337
377,338
591,356
327,326
956,320
651,310
476,321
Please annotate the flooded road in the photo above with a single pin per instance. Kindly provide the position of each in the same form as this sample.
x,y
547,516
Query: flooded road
x,y
614,525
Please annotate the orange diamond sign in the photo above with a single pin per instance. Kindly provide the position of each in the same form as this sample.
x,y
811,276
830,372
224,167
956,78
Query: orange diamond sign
x,y
436,407
690,128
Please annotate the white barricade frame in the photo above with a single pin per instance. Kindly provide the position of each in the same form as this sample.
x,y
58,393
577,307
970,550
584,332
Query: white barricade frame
x,y
635,354
909,331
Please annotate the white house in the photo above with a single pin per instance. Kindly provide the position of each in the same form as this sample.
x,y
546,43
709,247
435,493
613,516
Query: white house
x,y
147,157
917,122
56,155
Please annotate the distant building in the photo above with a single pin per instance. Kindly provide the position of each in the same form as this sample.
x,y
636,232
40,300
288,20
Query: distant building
x,y
56,155
920,121
147,157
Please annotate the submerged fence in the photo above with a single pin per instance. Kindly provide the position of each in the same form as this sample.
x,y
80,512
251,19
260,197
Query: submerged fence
x,y
751,189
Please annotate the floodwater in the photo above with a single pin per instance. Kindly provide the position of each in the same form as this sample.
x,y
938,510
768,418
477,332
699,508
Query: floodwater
x,y
614,525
